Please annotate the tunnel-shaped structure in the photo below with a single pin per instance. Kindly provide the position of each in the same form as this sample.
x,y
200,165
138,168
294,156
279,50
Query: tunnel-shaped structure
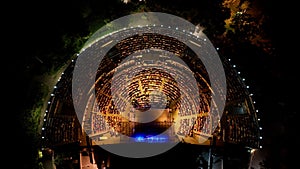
x,y
112,111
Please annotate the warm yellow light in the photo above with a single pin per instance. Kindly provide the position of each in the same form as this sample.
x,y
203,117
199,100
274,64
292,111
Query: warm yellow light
x,y
253,151
40,154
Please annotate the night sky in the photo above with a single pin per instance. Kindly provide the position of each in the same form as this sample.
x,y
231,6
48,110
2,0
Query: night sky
x,y
35,28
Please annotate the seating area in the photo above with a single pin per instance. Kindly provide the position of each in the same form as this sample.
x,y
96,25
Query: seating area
x,y
121,88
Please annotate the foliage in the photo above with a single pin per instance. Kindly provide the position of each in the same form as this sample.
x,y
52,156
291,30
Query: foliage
x,y
245,25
